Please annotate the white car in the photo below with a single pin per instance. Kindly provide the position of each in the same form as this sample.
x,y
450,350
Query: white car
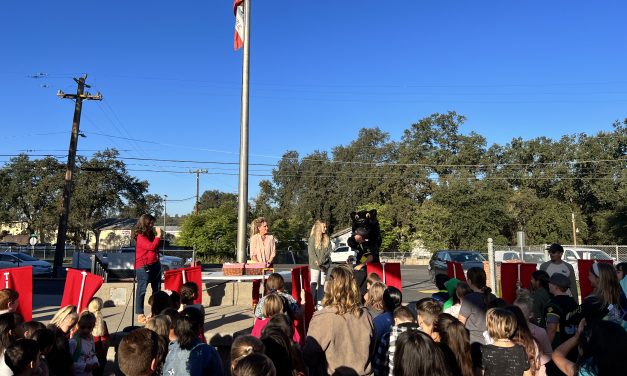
x,y
512,256
341,254
15,259
571,255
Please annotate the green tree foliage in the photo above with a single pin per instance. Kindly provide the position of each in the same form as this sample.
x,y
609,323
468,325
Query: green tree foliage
x,y
102,188
212,232
447,189
215,199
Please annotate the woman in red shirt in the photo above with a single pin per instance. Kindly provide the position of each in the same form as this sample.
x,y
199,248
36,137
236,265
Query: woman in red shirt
x,y
147,265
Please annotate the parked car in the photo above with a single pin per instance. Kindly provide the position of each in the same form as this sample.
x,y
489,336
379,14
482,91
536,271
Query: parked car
x,y
513,256
571,255
341,254
8,246
125,259
468,259
15,259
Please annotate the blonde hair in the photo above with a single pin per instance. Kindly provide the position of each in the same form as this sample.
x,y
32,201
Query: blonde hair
x,y
95,307
341,292
243,346
375,296
501,323
608,288
321,239
254,226
62,314
159,324
272,305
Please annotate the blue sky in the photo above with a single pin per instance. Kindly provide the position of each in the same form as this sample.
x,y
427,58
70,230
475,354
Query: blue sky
x,y
320,71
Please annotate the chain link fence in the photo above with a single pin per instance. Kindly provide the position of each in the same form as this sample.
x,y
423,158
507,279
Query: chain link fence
x,y
618,253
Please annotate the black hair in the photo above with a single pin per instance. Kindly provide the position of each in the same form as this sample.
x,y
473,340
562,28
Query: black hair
x,y
254,364
276,339
478,278
440,280
189,292
32,326
44,338
187,327
417,354
497,303
19,355
542,277
604,346
392,298
159,301
8,325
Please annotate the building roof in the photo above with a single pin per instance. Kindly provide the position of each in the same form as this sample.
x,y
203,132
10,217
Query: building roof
x,y
341,232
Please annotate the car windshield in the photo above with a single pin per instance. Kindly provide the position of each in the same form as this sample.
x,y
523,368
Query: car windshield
x,y
594,255
24,257
534,258
467,256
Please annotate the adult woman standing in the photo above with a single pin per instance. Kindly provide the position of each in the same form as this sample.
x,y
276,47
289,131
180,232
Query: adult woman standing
x,y
340,335
318,249
147,265
262,245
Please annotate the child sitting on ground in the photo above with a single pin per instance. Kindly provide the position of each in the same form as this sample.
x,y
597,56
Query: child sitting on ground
x,y
82,346
189,294
275,283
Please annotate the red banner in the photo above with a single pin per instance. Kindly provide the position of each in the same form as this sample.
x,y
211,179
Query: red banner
x,y
389,272
455,270
301,281
515,275
174,279
80,287
584,281
21,280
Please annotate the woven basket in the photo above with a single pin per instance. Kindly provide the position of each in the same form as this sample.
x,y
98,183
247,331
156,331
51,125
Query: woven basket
x,y
233,269
254,269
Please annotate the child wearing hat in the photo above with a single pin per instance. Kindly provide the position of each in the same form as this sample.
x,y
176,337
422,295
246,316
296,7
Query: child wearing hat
x,y
560,305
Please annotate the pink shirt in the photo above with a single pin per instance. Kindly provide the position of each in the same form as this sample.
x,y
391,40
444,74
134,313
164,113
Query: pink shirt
x,y
262,250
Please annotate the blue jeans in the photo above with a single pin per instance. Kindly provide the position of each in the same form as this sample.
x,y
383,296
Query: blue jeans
x,y
149,274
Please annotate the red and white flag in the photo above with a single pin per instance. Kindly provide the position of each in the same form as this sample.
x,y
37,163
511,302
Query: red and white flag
x,y
238,10
21,280
80,287
174,279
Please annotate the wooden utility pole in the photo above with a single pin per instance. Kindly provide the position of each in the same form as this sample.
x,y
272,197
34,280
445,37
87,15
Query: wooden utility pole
x,y
71,159
197,172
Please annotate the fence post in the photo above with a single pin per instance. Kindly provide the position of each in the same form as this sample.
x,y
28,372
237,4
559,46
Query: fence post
x,y
617,259
492,264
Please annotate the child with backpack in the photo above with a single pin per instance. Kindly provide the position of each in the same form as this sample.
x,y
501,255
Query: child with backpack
x,y
82,346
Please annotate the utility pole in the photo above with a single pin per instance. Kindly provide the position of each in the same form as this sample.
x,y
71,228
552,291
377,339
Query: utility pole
x,y
71,159
165,214
198,172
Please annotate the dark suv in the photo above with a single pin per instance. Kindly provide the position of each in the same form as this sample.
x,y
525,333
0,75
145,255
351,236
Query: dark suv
x,y
468,259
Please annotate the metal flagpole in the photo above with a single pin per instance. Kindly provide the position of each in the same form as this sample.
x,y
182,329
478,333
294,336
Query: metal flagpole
x,y
242,213
80,295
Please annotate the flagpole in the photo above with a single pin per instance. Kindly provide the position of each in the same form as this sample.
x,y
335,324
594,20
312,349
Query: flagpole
x,y
6,280
80,296
242,213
